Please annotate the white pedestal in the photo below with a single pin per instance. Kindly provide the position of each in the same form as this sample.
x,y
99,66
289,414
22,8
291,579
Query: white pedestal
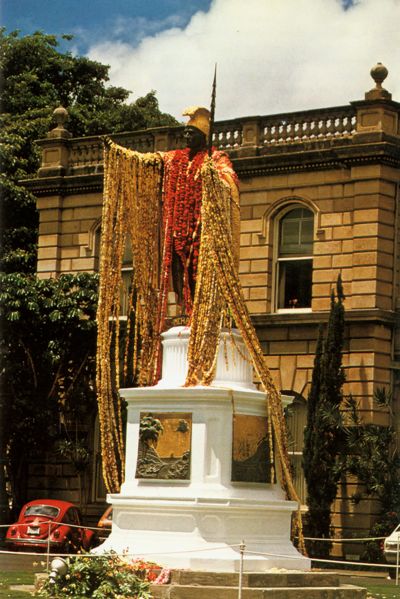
x,y
199,523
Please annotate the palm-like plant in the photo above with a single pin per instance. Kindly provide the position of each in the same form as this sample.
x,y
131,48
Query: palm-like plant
x,y
150,430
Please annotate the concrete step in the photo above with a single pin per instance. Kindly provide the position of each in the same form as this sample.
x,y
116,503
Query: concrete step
x,y
185,584
256,579
223,592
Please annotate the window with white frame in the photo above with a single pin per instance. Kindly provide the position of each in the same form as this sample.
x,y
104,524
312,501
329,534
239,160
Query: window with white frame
x,y
294,259
126,274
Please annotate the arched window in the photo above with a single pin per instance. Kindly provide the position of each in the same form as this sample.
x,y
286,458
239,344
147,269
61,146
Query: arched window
x,y
294,259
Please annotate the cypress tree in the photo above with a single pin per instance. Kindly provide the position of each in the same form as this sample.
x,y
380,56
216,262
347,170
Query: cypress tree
x,y
324,433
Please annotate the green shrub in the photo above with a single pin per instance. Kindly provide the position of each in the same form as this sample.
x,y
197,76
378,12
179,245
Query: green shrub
x,y
99,577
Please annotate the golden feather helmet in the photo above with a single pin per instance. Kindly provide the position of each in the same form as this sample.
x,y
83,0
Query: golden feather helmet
x,y
199,117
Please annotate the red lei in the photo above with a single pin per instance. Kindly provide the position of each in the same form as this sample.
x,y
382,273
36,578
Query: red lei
x,y
182,220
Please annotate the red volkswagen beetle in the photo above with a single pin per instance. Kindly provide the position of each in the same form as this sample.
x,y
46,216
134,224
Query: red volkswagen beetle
x,y
50,523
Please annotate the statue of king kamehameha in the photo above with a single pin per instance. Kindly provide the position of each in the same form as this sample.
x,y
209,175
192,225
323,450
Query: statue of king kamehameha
x,y
183,196
180,211
157,201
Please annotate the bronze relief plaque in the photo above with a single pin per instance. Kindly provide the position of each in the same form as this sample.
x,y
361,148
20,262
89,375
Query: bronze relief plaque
x,y
251,460
164,446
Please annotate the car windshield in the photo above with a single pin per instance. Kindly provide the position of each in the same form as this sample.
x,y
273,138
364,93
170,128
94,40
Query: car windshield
x,y
42,510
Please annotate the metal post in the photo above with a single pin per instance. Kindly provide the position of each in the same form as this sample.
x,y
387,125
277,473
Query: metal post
x,y
48,548
242,548
397,559
4,507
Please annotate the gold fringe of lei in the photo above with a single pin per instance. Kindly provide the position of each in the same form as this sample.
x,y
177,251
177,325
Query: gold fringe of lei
x,y
218,289
131,208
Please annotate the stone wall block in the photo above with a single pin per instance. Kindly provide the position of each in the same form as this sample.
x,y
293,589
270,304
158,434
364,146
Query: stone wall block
x,y
250,226
332,219
257,293
261,265
244,266
344,232
256,306
342,261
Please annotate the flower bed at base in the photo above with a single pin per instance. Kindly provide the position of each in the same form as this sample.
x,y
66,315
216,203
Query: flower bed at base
x,y
105,576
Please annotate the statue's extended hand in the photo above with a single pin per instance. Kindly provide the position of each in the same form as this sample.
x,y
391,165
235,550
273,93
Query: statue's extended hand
x,y
106,139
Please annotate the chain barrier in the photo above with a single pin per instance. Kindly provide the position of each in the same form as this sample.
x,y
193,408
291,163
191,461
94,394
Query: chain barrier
x,y
56,523
241,547
335,540
346,540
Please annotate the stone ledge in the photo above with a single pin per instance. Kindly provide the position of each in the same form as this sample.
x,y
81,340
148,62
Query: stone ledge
x,y
225,592
256,579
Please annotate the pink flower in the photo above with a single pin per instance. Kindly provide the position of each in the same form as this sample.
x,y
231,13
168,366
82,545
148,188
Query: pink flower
x,y
163,577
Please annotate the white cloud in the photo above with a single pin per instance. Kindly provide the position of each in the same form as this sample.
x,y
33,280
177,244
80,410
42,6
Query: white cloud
x,y
273,56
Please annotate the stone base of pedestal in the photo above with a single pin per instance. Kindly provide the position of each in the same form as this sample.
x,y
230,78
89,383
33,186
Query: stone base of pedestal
x,y
199,523
197,518
204,534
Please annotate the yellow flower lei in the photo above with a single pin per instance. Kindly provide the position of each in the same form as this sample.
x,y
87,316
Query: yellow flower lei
x,y
131,206
218,290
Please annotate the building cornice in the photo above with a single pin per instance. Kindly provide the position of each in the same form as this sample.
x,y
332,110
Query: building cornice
x,y
299,158
385,317
65,185
321,157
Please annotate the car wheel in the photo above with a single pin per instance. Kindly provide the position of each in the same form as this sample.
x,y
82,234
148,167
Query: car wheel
x,y
94,541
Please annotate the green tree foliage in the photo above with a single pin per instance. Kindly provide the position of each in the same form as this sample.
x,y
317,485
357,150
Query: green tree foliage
x,y
48,327
338,442
48,365
372,457
36,77
324,433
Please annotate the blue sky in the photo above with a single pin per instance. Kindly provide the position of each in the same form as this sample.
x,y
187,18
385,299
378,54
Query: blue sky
x,y
273,55
92,20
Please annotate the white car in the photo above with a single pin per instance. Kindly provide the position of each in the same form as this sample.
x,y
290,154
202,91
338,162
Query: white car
x,y
390,548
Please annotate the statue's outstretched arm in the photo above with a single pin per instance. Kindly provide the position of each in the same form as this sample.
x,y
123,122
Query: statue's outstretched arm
x,y
150,158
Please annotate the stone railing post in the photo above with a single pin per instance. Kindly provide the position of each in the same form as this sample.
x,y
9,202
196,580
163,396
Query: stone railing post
x,y
377,114
55,148
251,134
161,141
55,163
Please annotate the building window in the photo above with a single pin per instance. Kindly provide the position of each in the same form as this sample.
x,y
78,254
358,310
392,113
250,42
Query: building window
x,y
99,490
126,271
126,274
296,420
294,259
96,248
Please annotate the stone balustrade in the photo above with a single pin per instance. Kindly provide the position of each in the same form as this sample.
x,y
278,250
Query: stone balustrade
x,y
295,127
252,135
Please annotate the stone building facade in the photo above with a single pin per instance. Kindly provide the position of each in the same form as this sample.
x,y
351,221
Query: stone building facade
x,y
319,197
